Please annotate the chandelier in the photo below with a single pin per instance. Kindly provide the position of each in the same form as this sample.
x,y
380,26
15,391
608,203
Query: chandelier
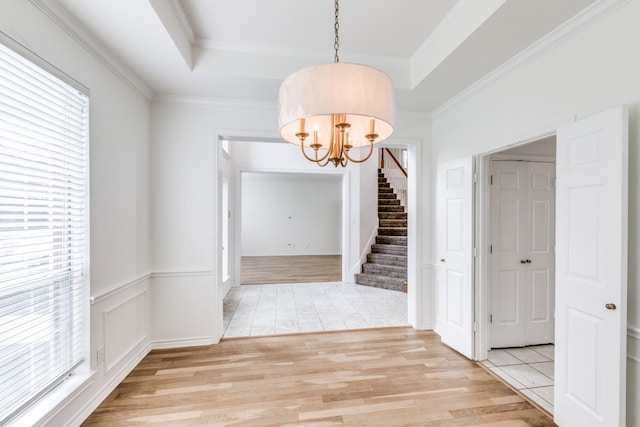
x,y
329,109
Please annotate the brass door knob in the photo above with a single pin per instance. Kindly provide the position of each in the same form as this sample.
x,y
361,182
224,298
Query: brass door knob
x,y
610,306
528,261
441,259
523,261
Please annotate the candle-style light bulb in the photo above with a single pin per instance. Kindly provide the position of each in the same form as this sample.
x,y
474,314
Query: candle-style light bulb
x,y
302,125
372,126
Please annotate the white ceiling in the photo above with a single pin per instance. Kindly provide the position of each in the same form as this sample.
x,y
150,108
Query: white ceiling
x,y
243,49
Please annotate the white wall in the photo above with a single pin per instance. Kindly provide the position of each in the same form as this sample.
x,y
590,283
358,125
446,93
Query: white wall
x,y
153,202
290,214
119,156
592,71
368,190
185,217
542,147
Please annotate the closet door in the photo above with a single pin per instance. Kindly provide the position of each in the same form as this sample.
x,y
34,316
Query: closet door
x,y
508,236
522,258
539,254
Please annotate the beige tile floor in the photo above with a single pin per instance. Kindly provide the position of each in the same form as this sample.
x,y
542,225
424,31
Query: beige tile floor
x,y
528,369
253,310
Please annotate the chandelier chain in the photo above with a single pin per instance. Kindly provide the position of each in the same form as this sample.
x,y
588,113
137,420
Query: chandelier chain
x,y
336,43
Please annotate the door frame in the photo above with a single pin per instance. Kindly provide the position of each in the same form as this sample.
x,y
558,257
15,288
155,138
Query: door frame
x,y
482,208
418,299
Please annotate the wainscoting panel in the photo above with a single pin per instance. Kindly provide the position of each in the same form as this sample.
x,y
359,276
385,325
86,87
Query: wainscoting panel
x,y
185,310
125,328
427,295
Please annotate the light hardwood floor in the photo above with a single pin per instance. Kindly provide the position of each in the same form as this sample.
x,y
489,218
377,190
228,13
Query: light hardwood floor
x,y
376,377
259,270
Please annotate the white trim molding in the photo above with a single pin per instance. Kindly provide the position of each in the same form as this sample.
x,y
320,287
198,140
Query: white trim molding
x,y
63,19
188,273
577,24
215,102
633,343
125,284
84,412
183,342
142,327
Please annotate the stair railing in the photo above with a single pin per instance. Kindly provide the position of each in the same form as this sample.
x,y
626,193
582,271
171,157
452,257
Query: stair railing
x,y
395,173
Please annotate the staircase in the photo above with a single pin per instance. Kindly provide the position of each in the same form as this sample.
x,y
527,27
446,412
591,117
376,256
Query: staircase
x,y
386,265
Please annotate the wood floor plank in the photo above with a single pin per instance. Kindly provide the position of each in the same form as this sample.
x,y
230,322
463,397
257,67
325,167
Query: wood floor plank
x,y
376,377
262,270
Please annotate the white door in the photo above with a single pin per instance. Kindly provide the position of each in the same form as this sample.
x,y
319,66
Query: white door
x,y
454,251
225,231
521,283
591,271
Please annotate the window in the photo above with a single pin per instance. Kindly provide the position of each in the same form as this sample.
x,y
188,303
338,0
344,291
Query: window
x,y
43,231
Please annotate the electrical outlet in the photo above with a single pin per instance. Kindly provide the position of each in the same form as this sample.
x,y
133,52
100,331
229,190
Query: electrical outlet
x,y
100,356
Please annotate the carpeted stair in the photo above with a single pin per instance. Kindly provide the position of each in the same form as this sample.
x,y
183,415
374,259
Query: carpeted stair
x,y
386,265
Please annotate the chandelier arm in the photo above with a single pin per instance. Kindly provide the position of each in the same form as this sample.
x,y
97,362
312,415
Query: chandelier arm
x,y
316,160
346,154
323,164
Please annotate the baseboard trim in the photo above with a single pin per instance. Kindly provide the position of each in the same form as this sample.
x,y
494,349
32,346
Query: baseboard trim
x,y
104,392
426,326
183,342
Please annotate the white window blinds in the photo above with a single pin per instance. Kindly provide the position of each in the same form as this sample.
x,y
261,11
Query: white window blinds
x,y
43,231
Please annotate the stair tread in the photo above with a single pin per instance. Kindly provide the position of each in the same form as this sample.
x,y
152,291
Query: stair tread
x,y
391,255
395,268
383,278
400,240
391,283
384,224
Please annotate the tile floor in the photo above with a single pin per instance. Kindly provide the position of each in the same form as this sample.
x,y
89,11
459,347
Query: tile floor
x,y
252,310
528,369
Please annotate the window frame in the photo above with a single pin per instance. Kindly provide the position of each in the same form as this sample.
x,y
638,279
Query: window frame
x,y
80,375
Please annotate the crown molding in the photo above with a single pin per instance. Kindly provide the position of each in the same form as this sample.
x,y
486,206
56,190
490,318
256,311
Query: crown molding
x,y
63,19
215,102
319,55
462,20
181,18
552,40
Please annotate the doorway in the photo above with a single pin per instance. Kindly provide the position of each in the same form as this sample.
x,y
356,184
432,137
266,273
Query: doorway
x,y
590,263
409,309
519,280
